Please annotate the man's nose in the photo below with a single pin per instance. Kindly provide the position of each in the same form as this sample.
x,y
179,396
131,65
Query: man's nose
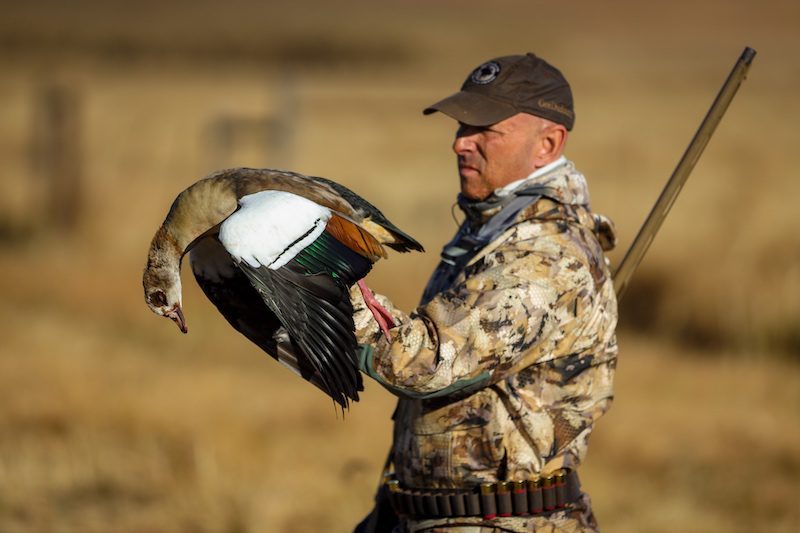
x,y
463,143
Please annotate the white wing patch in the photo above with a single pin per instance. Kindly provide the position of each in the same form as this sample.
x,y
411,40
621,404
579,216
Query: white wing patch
x,y
271,227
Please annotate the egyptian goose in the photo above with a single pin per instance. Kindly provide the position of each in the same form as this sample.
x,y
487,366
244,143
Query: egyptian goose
x,y
276,253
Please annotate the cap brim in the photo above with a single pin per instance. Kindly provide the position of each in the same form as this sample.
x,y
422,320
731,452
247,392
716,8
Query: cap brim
x,y
472,108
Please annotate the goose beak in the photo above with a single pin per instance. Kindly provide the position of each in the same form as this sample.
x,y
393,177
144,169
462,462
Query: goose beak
x,y
176,314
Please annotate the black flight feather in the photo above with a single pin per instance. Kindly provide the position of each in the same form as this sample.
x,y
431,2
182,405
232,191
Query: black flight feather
x,y
310,297
242,306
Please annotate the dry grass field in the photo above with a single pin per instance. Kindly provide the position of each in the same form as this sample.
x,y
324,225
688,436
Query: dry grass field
x,y
110,420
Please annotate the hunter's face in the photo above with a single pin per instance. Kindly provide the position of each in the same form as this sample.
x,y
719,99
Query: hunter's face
x,y
490,157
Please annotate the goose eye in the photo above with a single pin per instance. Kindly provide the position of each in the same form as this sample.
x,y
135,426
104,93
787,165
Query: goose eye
x,y
158,299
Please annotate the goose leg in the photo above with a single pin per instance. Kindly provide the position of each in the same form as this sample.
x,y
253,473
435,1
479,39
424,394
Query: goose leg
x,y
382,316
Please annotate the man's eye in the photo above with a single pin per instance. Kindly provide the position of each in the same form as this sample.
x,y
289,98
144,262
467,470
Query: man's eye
x,y
466,130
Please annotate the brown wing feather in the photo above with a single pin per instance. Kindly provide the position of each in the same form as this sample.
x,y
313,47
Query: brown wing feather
x,y
355,237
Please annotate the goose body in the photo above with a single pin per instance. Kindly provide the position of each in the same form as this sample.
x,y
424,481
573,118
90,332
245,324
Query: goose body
x,y
276,253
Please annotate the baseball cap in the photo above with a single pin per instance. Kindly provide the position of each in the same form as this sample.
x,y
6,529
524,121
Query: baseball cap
x,y
505,86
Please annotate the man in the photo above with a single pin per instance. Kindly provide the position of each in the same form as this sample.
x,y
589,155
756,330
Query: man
x,y
508,361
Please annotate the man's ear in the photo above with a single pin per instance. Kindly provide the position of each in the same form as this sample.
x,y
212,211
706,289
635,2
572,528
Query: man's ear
x,y
551,144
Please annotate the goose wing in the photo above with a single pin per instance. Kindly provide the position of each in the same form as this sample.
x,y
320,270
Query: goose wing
x,y
301,257
315,309
229,289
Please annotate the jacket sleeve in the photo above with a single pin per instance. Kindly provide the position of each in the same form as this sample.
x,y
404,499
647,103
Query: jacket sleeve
x,y
508,311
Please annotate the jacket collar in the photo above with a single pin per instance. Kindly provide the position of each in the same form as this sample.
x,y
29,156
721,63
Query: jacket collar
x,y
559,180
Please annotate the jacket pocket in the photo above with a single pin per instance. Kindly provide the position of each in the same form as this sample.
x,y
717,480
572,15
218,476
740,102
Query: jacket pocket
x,y
449,445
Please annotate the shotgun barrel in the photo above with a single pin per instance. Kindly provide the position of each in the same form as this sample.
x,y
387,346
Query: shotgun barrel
x,y
681,173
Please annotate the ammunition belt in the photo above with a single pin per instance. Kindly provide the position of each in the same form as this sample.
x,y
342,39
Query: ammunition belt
x,y
531,497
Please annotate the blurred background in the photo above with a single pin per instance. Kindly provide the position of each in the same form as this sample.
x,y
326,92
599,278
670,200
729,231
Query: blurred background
x,y
110,420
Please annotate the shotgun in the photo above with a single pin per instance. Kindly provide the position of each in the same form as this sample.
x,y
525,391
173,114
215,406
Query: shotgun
x,y
681,173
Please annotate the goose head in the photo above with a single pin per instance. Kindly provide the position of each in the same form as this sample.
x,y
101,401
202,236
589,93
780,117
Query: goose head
x,y
162,289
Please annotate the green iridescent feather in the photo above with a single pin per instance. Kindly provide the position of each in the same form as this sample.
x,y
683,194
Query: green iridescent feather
x,y
327,255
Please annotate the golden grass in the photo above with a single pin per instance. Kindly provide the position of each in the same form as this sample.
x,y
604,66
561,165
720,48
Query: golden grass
x,y
103,425
111,420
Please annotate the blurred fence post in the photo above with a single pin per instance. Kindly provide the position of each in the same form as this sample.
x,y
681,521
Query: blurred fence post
x,y
57,155
284,121
262,141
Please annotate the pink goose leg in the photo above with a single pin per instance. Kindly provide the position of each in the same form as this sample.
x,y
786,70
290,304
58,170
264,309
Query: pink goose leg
x,y
382,316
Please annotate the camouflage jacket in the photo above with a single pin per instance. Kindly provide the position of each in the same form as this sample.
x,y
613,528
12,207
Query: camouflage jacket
x,y
502,374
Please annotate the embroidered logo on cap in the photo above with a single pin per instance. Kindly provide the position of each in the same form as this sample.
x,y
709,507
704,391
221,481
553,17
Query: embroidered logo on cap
x,y
485,73
555,106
